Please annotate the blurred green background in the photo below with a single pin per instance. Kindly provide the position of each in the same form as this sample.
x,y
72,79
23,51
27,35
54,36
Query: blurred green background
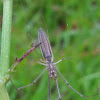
x,y
73,30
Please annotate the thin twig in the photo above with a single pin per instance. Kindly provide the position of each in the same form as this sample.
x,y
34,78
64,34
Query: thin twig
x,y
17,61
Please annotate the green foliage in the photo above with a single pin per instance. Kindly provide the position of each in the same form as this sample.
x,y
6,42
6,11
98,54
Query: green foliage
x,y
73,30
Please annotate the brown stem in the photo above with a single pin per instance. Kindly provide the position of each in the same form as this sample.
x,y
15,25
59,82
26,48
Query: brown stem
x,y
17,61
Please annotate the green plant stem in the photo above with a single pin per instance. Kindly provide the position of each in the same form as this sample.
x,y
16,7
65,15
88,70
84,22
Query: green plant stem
x,y
6,36
3,92
5,46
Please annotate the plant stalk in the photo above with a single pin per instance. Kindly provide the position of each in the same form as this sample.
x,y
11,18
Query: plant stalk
x,y
6,36
5,46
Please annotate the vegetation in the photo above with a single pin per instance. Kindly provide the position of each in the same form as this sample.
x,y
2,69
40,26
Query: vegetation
x,y
73,30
